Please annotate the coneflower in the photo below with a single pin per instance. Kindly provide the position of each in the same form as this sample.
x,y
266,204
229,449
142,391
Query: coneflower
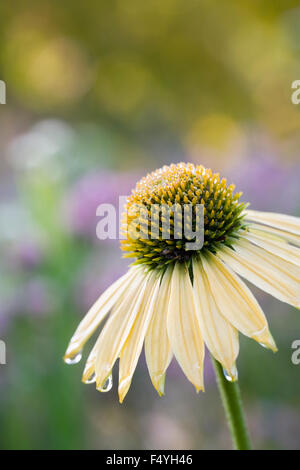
x,y
175,300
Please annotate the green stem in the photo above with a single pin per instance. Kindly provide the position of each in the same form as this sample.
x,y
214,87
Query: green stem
x,y
232,402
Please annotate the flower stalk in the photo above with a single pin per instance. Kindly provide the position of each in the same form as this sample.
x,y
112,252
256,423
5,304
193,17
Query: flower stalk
x,y
232,403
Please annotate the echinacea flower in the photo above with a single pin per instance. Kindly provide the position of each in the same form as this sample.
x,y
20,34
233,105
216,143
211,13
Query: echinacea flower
x,y
176,301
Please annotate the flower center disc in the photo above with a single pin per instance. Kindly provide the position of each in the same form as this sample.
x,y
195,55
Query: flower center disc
x,y
181,184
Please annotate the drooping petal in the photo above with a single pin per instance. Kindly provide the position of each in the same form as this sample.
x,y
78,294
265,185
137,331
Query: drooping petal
x,y
281,249
117,328
267,271
97,313
89,368
219,335
132,348
275,234
236,302
183,327
157,345
285,222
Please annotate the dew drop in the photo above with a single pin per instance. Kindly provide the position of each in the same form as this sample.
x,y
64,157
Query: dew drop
x,y
91,380
106,387
74,359
227,376
230,377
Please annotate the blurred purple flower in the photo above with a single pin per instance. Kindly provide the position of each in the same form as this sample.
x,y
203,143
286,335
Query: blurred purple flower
x,y
37,297
29,255
34,298
166,432
94,283
6,315
174,370
22,256
269,184
88,193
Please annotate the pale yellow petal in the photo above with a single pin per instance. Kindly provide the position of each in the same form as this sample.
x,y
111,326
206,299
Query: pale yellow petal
x,y
97,313
131,293
236,302
275,234
89,368
157,345
285,222
183,327
132,348
267,271
281,249
219,335
117,328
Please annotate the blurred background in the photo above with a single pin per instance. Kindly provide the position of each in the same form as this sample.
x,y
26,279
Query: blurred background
x,y
98,94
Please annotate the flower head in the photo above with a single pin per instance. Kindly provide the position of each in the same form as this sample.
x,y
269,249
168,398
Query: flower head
x,y
175,187
175,300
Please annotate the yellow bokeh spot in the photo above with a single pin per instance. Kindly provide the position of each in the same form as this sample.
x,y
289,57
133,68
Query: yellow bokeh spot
x,y
122,84
216,131
45,71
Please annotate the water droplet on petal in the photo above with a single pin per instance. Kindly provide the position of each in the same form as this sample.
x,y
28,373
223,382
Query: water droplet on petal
x,y
91,379
74,359
232,375
263,345
106,387
227,376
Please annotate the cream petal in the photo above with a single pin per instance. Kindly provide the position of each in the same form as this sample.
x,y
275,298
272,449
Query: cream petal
x,y
267,271
281,249
117,328
274,233
132,348
157,345
89,368
219,335
183,327
236,302
288,223
98,312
